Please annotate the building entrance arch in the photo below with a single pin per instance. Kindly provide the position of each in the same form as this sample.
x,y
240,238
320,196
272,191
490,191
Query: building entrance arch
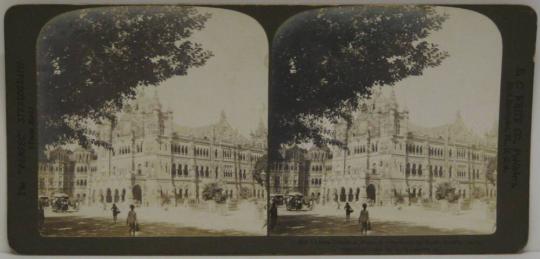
x,y
343,195
137,193
370,191
108,198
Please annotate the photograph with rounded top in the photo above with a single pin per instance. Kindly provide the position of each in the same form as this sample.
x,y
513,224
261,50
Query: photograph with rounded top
x,y
384,121
152,121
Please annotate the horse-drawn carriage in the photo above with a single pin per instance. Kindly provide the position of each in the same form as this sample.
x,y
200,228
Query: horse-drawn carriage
x,y
296,201
61,203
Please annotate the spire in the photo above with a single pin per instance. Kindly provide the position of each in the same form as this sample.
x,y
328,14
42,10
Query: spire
x,y
459,119
156,104
393,99
222,117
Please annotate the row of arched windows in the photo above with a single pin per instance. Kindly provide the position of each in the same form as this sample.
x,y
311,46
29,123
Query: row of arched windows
x,y
436,152
202,171
182,193
176,170
109,196
364,148
138,147
122,150
414,149
436,171
316,168
476,174
242,174
413,170
204,152
316,181
80,182
286,166
179,149
347,196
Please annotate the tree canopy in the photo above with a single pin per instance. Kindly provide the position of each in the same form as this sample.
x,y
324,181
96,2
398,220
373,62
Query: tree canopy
x,y
324,61
260,167
491,170
90,61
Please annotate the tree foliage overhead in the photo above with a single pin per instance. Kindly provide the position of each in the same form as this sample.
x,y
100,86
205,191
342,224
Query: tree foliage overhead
x,y
324,61
260,167
90,61
491,170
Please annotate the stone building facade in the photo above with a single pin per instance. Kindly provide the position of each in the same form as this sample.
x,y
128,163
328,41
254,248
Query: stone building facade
x,y
388,156
55,173
153,161
65,171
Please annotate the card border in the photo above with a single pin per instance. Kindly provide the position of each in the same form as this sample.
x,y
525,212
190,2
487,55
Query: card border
x,y
517,25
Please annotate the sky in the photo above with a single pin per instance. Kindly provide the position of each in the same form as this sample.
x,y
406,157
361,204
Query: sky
x,y
234,80
467,81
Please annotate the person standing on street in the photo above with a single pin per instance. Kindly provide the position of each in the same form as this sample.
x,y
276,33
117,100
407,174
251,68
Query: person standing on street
x,y
115,212
41,215
273,215
132,221
348,211
364,220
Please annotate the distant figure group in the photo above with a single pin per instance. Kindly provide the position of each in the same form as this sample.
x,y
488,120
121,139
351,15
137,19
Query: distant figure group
x,y
363,219
115,212
131,220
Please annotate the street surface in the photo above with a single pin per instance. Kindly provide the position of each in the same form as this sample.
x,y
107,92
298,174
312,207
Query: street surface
x,y
306,223
76,226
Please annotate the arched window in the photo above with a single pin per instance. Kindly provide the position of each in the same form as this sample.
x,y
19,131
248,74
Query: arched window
x,y
342,195
108,198
414,169
173,170
407,169
186,170
116,195
420,170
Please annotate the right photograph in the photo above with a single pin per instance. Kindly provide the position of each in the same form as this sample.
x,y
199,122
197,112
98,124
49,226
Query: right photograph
x,y
383,120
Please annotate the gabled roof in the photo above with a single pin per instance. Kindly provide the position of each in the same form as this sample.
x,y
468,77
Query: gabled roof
x,y
456,131
221,131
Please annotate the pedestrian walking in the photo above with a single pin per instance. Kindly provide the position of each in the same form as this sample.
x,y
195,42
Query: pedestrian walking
x,y
41,215
273,215
132,221
364,220
115,212
348,211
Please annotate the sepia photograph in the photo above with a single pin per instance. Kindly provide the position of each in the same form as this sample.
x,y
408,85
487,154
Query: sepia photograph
x,y
248,129
152,121
384,121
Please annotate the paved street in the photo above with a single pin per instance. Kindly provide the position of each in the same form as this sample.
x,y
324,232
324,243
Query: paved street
x,y
304,223
72,226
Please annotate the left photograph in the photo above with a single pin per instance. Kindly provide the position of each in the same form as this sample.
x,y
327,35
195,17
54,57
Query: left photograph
x,y
152,121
